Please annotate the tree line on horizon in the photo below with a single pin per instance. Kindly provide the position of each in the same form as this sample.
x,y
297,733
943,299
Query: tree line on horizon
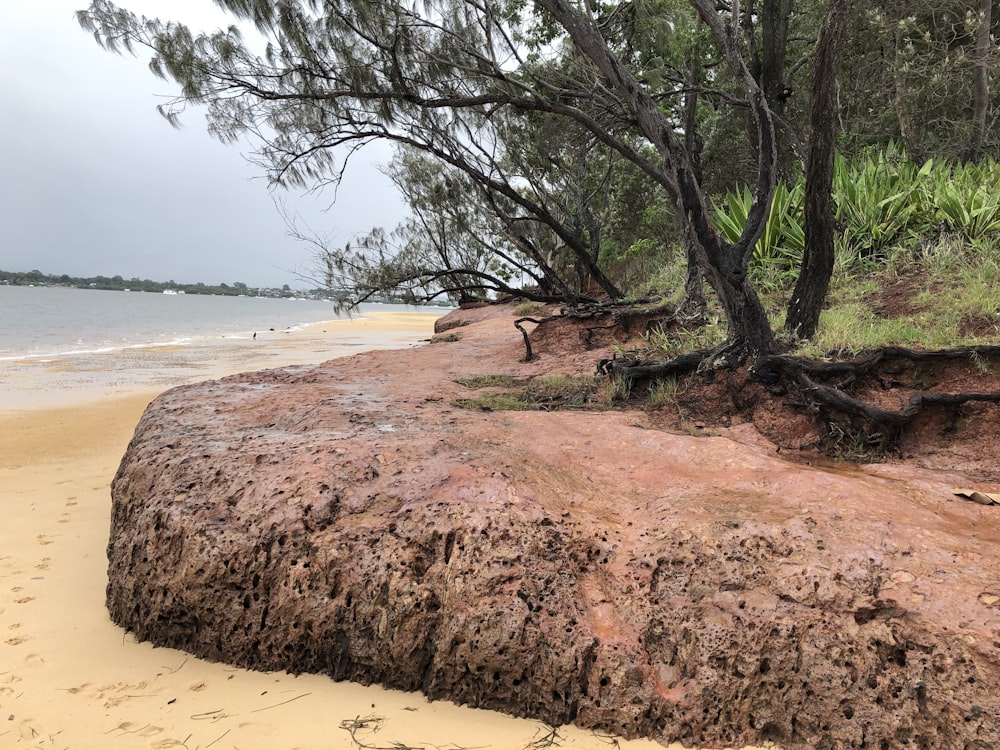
x,y
135,284
564,151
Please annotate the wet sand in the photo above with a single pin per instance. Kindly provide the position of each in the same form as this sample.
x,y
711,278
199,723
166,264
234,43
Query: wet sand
x,y
71,679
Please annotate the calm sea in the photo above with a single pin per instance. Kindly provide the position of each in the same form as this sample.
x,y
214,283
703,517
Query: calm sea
x,y
65,346
40,322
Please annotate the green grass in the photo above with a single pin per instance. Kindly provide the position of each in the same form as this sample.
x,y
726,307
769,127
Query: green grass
x,y
550,392
662,391
529,310
672,342
486,381
950,283
495,402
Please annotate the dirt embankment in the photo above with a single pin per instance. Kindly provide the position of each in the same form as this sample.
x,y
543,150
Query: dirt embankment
x,y
347,519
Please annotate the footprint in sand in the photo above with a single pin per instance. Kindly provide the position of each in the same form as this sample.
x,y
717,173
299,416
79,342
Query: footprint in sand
x,y
35,661
147,731
71,500
42,540
166,744
16,641
197,687
44,564
24,600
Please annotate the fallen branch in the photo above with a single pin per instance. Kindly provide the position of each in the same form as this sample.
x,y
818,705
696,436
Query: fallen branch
x,y
528,354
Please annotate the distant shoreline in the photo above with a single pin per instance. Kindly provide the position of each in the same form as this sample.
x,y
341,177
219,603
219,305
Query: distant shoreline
x,y
135,284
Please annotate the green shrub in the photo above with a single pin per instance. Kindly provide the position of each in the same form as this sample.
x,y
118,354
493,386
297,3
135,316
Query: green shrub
x,y
881,200
778,252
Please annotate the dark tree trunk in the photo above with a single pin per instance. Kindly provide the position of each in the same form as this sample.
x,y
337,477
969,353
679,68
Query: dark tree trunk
x,y
909,131
980,82
774,46
817,260
694,291
774,19
725,265
749,331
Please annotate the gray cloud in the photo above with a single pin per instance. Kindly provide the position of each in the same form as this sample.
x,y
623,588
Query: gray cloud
x,y
96,182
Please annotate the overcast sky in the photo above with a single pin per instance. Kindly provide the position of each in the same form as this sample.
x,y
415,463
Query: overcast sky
x,y
95,182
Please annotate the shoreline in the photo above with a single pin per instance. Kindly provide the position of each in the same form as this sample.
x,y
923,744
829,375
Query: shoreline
x,y
70,679
48,381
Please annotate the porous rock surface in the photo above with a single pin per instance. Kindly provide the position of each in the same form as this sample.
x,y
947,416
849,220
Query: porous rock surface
x,y
347,519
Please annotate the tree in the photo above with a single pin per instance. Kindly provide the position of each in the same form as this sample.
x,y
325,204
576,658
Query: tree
x,y
817,261
342,74
921,75
980,81
725,265
459,241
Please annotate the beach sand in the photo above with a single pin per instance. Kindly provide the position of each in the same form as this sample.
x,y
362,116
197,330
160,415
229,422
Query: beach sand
x,y
71,679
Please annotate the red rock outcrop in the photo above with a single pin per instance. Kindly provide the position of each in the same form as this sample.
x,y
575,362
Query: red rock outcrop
x,y
346,519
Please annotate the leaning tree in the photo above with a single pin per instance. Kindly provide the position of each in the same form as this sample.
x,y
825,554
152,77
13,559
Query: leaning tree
x,y
340,74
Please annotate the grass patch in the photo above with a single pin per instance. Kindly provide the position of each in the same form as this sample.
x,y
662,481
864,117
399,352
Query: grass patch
x,y
486,381
662,391
540,393
529,310
495,402
921,299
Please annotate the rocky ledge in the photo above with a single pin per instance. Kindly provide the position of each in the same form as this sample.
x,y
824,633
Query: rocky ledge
x,y
346,519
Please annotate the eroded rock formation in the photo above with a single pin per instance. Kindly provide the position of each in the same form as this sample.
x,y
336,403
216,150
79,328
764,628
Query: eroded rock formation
x,y
346,519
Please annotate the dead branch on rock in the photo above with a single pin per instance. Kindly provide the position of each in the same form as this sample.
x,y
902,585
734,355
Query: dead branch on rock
x,y
529,356
638,369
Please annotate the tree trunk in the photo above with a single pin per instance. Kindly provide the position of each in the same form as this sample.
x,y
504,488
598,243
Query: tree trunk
x,y
694,292
749,333
774,47
980,82
908,130
817,259
774,18
725,265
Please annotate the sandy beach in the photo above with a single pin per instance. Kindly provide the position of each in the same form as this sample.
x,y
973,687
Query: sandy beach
x,y
71,679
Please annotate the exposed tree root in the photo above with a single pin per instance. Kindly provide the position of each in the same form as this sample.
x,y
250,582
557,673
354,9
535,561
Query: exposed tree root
x,y
832,392
614,317
829,390
842,410
638,370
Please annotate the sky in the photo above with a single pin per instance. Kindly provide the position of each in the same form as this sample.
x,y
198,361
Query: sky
x,y
95,182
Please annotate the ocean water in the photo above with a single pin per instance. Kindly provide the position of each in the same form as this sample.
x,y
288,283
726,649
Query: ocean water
x,y
59,346
40,322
